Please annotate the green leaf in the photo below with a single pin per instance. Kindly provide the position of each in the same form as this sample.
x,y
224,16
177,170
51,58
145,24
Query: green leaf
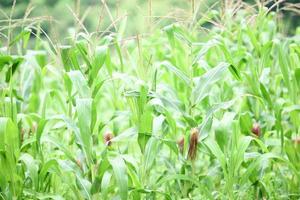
x,y
170,33
79,83
183,177
69,58
84,112
205,126
180,74
14,65
243,144
266,95
5,60
9,154
120,173
9,137
98,61
24,35
284,66
217,152
61,146
40,130
50,166
81,46
205,48
151,152
297,76
105,184
31,167
145,127
245,122
65,51
204,83
256,166
235,72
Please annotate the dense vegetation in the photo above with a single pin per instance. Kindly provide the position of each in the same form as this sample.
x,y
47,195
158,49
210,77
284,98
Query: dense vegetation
x,y
183,112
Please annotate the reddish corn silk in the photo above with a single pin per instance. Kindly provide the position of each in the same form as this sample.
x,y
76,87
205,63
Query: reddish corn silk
x,y
192,153
78,162
296,140
107,138
256,129
22,133
33,128
180,144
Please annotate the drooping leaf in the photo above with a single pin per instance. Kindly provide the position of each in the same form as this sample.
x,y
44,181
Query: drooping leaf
x,y
204,83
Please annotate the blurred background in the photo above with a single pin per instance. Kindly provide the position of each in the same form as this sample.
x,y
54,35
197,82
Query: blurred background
x,y
60,17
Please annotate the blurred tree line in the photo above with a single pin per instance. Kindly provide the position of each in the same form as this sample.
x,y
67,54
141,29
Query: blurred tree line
x,y
63,12
135,10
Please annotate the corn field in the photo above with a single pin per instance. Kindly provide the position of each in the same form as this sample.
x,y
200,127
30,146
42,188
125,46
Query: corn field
x,y
208,108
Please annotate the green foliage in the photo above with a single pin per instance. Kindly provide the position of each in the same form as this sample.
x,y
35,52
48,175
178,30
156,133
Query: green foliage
x,y
100,118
